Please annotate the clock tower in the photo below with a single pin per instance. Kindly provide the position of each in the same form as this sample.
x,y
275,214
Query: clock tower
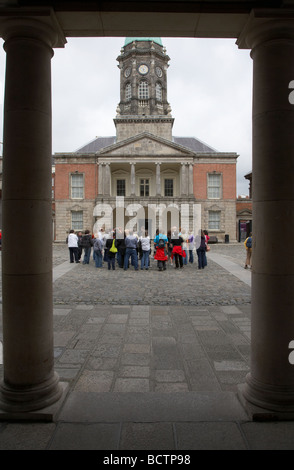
x,y
143,105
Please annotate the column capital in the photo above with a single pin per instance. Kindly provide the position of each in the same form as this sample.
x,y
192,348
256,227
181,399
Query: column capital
x,y
266,25
40,24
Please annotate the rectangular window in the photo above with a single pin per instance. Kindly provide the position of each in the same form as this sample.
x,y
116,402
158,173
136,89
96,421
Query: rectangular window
x,y
214,186
77,220
168,187
214,218
144,187
143,91
120,187
77,186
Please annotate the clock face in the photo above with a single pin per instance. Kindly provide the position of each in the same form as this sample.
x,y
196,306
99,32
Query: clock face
x,y
143,69
128,72
158,71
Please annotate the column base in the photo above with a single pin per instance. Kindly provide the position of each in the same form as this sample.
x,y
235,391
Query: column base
x,y
27,399
264,402
48,413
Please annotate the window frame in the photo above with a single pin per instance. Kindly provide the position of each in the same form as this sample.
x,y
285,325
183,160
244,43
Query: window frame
x,y
72,187
165,188
145,185
125,186
211,188
211,222
74,222
145,91
158,87
128,92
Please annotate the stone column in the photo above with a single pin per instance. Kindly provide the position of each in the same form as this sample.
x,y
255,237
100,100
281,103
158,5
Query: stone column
x,y
30,382
133,180
158,180
191,181
270,384
100,179
107,182
183,180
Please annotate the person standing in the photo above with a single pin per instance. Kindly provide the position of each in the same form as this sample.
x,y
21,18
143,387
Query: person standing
x,y
206,247
86,244
131,243
80,249
190,243
145,246
160,244
121,246
178,253
201,248
160,254
97,250
72,243
111,246
248,246
169,246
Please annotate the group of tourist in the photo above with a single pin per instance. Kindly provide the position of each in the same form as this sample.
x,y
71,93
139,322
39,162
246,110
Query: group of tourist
x,y
125,247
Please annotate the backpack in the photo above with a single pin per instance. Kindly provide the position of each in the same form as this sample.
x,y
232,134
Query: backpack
x,y
249,242
161,243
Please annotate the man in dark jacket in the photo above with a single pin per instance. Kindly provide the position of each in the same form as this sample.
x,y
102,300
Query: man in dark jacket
x,y
86,244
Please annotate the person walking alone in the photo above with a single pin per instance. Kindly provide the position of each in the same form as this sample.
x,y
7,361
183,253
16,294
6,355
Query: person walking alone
x,y
248,246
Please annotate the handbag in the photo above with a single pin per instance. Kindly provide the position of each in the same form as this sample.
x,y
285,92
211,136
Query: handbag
x,y
113,248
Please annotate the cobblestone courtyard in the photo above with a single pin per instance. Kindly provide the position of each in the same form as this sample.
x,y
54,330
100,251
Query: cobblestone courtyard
x,y
188,286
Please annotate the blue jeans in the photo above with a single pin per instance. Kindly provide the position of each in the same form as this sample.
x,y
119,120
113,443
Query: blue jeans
x,y
98,259
111,262
145,259
131,252
201,257
191,257
185,259
87,254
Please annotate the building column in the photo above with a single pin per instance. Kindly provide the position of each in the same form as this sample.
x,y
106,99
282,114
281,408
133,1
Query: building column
x,y
100,179
183,179
191,180
133,180
30,382
158,180
270,384
107,181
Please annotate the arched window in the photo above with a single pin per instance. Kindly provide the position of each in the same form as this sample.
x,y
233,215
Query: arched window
x,y
158,91
143,90
128,92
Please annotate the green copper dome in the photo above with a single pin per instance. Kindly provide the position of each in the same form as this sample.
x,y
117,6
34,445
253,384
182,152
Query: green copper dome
x,y
130,40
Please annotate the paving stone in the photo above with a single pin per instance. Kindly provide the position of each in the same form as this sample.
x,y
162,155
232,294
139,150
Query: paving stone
x,y
95,381
209,436
22,437
134,371
101,436
169,375
147,436
131,385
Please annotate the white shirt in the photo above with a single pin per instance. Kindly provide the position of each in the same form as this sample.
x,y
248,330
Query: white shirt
x,y
145,243
72,241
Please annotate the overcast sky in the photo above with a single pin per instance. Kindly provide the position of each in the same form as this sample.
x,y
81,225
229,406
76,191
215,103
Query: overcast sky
x,y
209,90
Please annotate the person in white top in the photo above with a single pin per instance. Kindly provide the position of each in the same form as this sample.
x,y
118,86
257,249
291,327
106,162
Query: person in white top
x,y
145,247
72,243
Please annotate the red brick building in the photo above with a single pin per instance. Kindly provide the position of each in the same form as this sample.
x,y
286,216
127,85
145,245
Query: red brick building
x,y
144,176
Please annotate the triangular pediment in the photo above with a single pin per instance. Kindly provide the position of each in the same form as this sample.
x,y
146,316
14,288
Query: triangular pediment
x,y
145,145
